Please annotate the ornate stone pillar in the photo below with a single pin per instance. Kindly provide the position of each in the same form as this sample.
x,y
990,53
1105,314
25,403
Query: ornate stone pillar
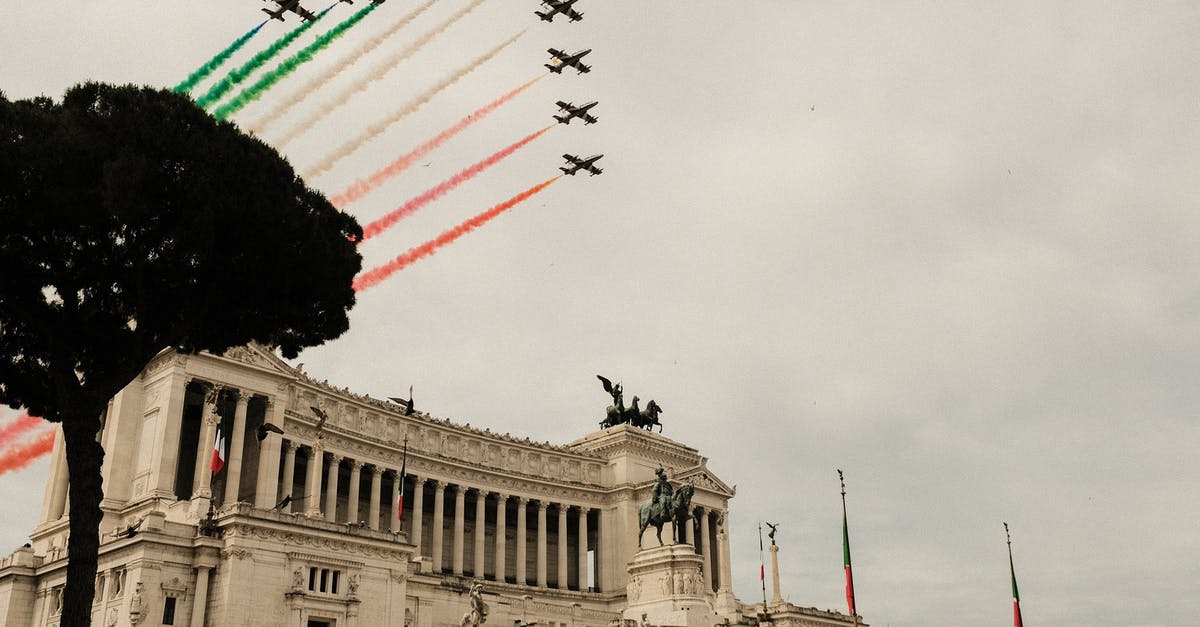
x,y
520,568
726,575
331,487
266,492
418,512
498,562
480,531
394,514
460,524
583,549
373,506
289,472
439,523
541,544
562,547
233,480
312,484
707,550
202,485
352,500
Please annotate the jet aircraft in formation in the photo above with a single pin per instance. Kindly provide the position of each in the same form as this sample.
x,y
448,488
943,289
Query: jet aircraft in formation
x,y
576,164
557,7
571,112
562,60
290,5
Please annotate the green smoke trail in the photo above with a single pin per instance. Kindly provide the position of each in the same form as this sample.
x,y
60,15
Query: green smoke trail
x,y
266,81
204,70
238,75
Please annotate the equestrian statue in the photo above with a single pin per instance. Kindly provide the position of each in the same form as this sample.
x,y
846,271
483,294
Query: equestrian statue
x,y
618,414
667,505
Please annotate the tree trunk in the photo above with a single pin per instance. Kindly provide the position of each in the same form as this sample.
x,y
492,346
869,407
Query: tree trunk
x,y
84,457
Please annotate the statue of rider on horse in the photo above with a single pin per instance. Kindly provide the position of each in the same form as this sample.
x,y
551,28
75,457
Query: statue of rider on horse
x,y
667,505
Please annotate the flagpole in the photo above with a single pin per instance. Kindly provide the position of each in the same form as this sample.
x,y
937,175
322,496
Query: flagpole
x,y
846,553
1013,573
402,478
762,569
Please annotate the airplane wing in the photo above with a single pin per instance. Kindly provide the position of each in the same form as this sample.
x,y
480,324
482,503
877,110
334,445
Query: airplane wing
x,y
304,13
583,69
559,54
590,119
573,15
563,105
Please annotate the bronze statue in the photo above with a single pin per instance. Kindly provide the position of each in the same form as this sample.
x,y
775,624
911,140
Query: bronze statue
x,y
771,533
615,413
667,504
618,414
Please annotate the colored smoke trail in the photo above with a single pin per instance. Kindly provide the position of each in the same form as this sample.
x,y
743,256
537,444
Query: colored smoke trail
x,y
439,190
268,80
362,186
317,82
374,74
21,455
240,74
15,429
375,276
204,70
375,129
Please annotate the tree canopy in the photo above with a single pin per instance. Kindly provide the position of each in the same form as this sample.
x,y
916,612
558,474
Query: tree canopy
x,y
134,222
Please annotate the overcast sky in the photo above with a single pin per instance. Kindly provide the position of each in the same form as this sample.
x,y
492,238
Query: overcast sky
x,y
950,248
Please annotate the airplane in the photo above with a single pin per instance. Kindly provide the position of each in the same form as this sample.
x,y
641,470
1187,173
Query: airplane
x,y
578,164
570,112
559,6
294,7
563,60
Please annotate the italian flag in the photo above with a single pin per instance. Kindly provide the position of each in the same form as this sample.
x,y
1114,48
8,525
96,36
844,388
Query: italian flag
x,y
846,560
218,458
1016,595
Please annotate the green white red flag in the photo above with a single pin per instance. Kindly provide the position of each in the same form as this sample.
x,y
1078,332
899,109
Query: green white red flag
x,y
846,551
1013,574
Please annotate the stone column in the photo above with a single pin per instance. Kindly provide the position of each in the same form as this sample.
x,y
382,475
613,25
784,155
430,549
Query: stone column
x,y
201,598
439,523
480,531
522,532
202,484
289,472
707,551
233,480
352,500
266,492
562,547
583,549
55,501
394,514
541,544
331,487
498,562
726,575
162,437
460,524
373,506
776,597
690,530
418,512
312,484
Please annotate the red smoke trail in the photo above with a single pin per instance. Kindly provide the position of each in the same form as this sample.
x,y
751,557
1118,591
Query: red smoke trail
x,y
362,186
21,455
433,193
15,429
374,276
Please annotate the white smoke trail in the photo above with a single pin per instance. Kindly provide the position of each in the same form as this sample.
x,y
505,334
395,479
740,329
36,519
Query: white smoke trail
x,y
376,73
379,127
346,61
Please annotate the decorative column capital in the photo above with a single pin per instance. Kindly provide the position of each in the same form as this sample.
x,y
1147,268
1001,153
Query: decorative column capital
x,y
356,465
288,446
317,447
242,396
500,496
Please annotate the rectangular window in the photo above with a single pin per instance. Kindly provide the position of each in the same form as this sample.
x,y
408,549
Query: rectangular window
x,y
312,579
334,585
324,579
168,611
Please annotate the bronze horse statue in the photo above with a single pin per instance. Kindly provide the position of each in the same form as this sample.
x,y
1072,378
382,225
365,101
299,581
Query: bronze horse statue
x,y
678,512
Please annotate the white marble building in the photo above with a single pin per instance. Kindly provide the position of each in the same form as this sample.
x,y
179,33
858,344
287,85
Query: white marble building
x,y
550,530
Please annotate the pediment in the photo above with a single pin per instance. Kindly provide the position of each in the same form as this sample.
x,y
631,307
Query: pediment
x,y
259,356
702,478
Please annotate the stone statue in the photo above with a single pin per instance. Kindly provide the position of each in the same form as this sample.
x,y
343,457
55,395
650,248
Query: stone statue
x,y
297,579
136,605
666,507
479,610
352,585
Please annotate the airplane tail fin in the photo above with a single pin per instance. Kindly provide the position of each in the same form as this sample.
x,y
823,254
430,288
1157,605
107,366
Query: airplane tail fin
x,y
546,17
557,69
561,119
567,171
